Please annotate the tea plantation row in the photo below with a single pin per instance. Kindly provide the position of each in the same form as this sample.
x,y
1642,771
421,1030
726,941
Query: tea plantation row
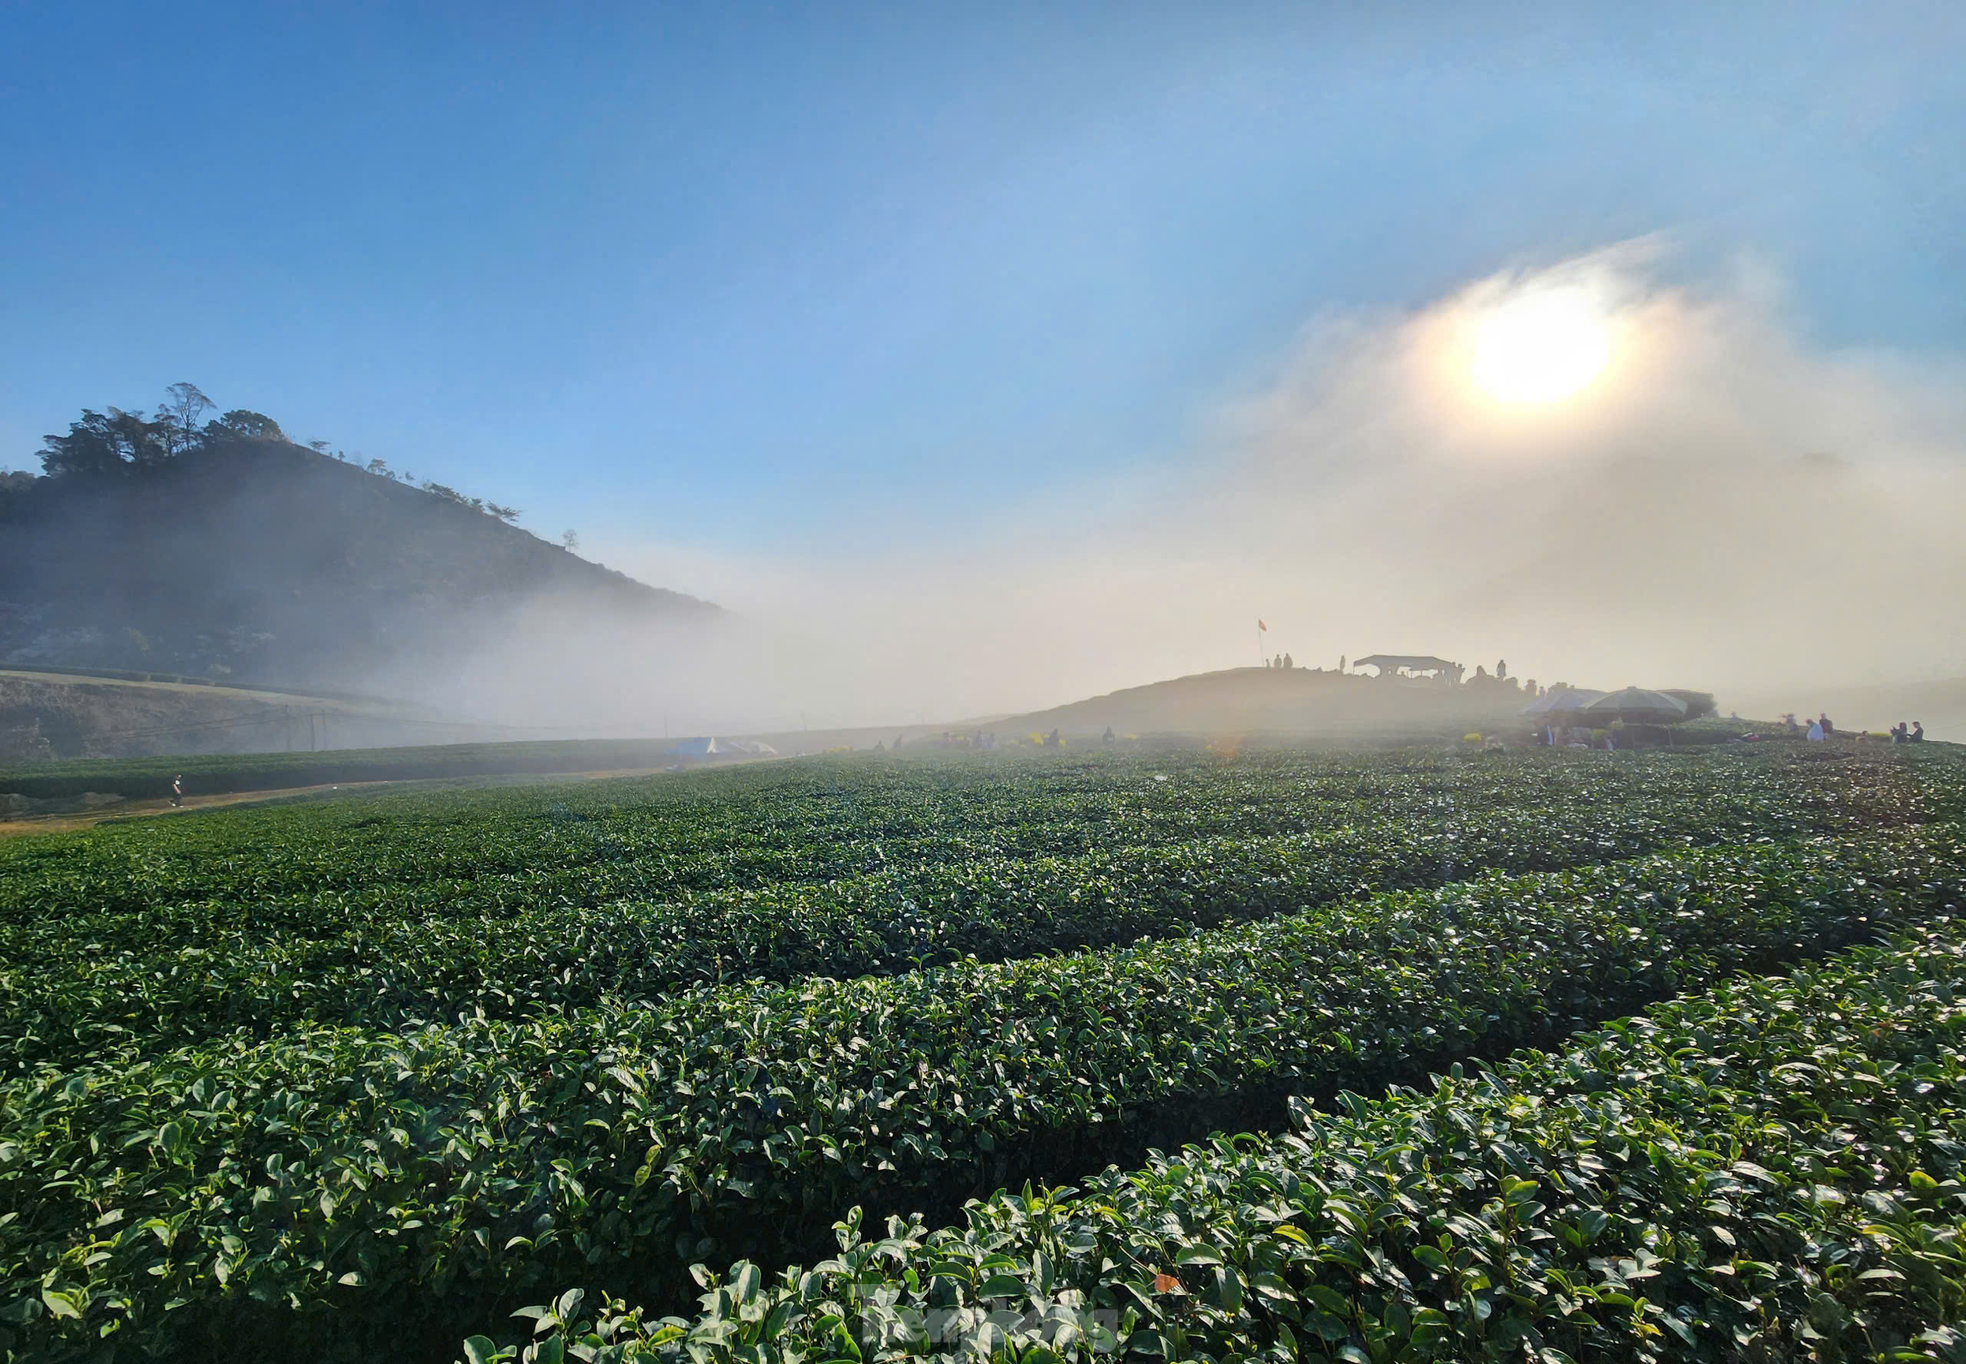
x,y
77,985
310,869
1776,1170
338,1191
84,987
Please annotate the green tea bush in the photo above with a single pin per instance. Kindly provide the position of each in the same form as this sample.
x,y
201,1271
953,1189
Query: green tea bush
x,y
1775,1170
318,1192
343,919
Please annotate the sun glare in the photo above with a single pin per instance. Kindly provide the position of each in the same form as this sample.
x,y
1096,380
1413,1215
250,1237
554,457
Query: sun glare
x,y
1541,346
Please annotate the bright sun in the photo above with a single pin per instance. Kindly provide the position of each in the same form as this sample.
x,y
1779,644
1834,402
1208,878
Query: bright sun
x,y
1540,346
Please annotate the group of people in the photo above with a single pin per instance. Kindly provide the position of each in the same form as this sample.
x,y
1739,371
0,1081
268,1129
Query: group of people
x,y
1558,734
949,739
1822,727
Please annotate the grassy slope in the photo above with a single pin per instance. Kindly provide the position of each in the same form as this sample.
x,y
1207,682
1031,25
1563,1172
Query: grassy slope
x,y
1263,700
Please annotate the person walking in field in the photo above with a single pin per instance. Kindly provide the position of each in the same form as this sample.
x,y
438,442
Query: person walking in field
x,y
177,791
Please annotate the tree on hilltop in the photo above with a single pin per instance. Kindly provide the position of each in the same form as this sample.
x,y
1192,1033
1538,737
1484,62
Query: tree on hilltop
x,y
178,415
105,444
115,443
242,424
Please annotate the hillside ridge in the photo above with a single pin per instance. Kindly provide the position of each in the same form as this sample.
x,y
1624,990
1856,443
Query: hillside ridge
x,y
240,554
1282,701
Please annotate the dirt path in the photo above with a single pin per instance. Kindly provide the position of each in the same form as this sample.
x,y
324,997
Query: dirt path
x,y
87,819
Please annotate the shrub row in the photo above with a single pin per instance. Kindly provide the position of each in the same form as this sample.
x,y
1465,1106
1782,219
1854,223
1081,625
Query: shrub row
x,y
333,1190
76,986
318,868
1776,1170
80,989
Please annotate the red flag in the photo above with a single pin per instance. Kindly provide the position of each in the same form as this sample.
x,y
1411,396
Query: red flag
x,y
1260,626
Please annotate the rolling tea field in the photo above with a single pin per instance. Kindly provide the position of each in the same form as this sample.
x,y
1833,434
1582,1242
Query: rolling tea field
x,y
1663,1056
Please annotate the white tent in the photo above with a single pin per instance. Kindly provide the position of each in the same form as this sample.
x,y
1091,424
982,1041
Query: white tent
x,y
1562,701
710,746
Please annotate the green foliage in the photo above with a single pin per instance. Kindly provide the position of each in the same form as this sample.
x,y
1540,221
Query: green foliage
x,y
243,424
357,1079
345,1172
1773,1171
440,907
105,445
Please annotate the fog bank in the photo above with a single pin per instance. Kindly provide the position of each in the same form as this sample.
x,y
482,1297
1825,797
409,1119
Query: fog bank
x,y
1724,506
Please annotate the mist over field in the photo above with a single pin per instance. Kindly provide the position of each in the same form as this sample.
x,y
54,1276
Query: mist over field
x,y
1727,506
964,366
738,681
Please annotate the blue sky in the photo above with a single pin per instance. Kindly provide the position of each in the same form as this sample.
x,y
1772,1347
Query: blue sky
x,y
763,276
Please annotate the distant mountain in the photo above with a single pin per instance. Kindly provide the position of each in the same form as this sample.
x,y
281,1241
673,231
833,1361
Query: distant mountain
x,y
233,552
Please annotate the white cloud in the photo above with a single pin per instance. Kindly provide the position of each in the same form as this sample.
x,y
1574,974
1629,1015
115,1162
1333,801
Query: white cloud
x,y
1724,507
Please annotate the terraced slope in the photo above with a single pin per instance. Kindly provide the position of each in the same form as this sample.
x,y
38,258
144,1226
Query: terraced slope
x,y
330,1082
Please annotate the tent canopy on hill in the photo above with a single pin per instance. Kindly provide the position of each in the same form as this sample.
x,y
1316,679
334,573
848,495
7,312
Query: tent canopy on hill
x,y
1636,706
709,746
1633,705
1561,701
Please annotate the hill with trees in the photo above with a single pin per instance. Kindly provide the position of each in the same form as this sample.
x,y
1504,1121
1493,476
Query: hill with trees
x,y
222,548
